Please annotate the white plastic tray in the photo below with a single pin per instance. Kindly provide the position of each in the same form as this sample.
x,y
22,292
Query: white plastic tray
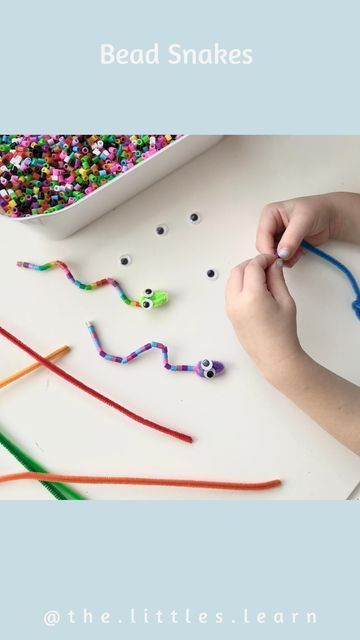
x,y
63,223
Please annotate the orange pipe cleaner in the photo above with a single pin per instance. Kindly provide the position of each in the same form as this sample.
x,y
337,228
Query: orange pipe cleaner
x,y
157,482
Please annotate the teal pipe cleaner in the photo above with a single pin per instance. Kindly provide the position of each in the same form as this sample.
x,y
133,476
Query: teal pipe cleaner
x,y
339,265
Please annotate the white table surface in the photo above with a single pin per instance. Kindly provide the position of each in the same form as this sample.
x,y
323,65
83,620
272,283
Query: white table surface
x,y
244,429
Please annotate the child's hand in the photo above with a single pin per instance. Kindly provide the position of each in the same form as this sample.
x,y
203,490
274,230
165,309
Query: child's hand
x,y
290,222
263,314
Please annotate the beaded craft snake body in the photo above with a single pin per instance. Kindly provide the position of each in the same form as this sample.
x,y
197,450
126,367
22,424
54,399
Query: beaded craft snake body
x,y
148,300
205,368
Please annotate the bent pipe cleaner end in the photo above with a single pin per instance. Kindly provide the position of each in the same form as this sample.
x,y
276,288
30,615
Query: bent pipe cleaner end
x,y
339,265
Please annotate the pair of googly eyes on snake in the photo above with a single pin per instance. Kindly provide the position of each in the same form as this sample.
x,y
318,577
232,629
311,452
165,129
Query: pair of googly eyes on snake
x,y
152,298
207,369
146,301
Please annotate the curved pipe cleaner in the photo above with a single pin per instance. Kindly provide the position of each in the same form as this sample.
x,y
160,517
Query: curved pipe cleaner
x,y
339,265
205,368
148,300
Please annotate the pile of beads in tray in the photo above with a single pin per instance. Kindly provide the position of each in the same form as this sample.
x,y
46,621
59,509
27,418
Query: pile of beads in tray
x,y
45,173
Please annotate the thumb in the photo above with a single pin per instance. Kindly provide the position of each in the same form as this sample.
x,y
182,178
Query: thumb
x,y
276,282
292,237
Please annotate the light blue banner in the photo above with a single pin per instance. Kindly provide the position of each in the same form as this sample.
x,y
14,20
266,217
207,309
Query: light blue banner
x,y
180,570
303,77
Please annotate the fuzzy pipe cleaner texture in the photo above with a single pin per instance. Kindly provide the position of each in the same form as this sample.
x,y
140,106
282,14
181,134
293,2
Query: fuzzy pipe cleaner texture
x,y
154,482
339,265
92,392
58,491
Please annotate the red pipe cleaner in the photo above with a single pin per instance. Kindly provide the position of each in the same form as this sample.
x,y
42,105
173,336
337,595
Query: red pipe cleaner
x,y
158,482
92,392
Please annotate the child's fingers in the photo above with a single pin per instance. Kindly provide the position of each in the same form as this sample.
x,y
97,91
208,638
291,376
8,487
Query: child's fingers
x,y
296,257
293,235
254,273
235,282
267,231
276,282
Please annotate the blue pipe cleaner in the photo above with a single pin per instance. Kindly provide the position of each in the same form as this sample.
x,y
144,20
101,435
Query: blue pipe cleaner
x,y
341,266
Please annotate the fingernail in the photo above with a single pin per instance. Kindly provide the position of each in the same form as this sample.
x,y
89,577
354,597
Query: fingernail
x,y
284,252
279,262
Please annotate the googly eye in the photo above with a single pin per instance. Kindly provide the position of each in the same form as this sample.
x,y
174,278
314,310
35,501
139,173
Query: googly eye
x,y
147,304
148,293
212,274
206,364
161,230
194,218
125,260
209,374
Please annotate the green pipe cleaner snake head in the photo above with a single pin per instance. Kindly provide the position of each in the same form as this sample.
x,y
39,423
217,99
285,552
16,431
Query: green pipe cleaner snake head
x,y
153,298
